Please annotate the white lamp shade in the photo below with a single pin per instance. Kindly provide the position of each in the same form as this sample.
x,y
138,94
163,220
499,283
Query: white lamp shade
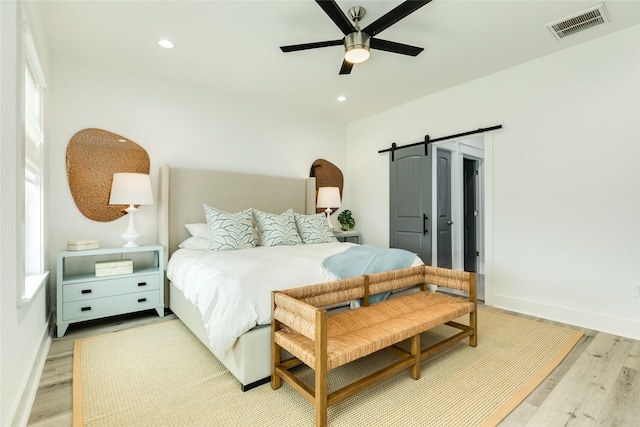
x,y
131,189
328,197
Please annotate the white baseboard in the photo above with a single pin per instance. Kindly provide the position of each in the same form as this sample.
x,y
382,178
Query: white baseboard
x,y
21,416
596,321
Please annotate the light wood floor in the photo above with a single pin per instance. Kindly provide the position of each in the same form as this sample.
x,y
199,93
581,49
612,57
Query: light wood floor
x,y
597,384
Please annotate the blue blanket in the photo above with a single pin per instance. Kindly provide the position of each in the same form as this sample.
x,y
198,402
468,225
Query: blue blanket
x,y
367,259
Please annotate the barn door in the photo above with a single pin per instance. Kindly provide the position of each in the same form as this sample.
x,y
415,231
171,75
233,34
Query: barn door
x,y
410,201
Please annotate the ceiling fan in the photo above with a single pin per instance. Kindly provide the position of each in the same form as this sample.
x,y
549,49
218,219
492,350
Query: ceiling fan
x,y
357,42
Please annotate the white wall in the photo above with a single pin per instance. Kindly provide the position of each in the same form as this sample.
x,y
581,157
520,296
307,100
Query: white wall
x,y
563,179
176,124
24,328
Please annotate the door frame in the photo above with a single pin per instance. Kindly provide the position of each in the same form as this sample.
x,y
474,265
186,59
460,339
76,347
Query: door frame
x,y
471,148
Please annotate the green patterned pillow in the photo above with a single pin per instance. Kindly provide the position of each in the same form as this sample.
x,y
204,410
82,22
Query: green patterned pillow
x,y
229,231
314,228
277,230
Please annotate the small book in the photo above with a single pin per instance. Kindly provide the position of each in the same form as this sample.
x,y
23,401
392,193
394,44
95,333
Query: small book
x,y
114,268
80,245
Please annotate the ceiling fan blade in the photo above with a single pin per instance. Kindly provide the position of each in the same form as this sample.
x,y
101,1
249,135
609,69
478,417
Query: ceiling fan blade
x,y
314,45
346,67
336,14
395,47
394,15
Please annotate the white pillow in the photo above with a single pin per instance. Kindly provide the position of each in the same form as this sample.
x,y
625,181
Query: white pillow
x,y
197,243
198,230
229,231
314,228
277,230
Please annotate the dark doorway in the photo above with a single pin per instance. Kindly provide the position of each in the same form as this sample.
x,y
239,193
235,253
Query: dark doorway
x,y
470,209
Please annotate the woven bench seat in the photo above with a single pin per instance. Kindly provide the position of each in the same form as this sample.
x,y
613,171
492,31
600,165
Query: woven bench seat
x,y
357,333
301,325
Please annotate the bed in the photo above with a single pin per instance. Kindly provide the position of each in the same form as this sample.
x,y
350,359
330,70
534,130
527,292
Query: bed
x,y
246,354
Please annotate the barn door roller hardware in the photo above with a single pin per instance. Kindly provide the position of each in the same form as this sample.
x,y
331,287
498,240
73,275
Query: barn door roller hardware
x,y
428,140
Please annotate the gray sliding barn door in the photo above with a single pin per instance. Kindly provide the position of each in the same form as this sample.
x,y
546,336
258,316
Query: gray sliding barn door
x,y
410,201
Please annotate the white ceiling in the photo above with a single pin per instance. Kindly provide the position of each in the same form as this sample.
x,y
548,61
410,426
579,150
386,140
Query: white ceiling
x,y
233,46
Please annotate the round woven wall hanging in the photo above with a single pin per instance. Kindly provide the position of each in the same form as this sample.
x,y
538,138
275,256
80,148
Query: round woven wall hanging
x,y
93,156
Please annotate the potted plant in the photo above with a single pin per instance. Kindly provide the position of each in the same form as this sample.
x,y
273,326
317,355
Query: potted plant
x,y
346,220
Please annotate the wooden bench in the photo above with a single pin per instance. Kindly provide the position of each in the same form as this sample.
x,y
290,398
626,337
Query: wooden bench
x,y
301,325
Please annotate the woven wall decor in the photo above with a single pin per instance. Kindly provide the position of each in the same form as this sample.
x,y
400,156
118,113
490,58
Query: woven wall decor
x,y
327,175
93,156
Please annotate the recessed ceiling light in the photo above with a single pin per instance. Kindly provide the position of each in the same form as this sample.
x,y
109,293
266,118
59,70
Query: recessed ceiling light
x,y
167,44
341,98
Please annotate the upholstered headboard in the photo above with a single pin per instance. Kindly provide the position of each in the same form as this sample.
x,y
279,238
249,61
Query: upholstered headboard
x,y
183,191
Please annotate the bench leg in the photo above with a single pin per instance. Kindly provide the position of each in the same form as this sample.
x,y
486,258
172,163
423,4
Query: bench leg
x,y
473,324
276,381
321,407
321,399
415,353
320,392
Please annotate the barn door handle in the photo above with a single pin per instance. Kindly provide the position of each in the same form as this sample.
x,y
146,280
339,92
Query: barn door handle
x,y
449,222
425,221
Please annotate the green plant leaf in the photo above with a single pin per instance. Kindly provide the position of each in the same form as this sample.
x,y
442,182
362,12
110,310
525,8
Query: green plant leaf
x,y
346,220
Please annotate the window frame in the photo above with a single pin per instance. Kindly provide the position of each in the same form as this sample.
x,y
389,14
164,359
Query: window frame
x,y
33,169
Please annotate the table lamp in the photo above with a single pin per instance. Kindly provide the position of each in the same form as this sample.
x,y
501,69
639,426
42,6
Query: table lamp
x,y
131,189
328,197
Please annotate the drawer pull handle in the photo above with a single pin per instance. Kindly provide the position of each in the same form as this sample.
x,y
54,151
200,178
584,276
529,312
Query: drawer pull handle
x,y
85,291
142,299
142,284
85,309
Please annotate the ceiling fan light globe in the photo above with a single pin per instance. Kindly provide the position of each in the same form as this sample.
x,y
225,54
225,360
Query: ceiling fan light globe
x,y
356,47
357,54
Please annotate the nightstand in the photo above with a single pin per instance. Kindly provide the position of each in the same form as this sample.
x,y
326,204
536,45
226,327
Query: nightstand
x,y
81,295
348,236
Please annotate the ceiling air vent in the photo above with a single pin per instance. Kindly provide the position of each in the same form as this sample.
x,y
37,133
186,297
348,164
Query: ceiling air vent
x,y
580,21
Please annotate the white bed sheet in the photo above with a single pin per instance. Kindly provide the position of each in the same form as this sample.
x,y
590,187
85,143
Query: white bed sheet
x,y
232,289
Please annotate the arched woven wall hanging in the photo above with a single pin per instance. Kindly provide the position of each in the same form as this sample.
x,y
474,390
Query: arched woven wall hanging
x,y
327,175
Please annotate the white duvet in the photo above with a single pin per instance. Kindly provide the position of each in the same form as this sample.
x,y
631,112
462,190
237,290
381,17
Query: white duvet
x,y
232,289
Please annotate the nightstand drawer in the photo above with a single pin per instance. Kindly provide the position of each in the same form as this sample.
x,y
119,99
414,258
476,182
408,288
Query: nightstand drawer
x,y
109,306
109,287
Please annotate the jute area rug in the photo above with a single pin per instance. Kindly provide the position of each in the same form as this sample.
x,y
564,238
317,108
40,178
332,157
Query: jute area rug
x,y
161,375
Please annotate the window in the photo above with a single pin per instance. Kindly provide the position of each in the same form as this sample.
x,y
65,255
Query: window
x,y
33,175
